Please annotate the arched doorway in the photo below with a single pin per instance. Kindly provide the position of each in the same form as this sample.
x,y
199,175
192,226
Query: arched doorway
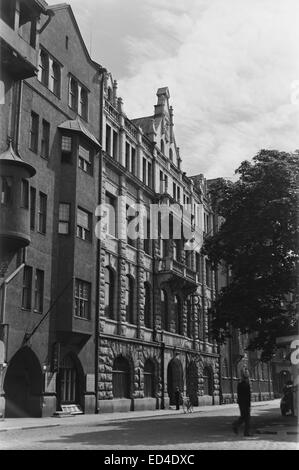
x,y
192,383
121,378
69,385
23,385
174,379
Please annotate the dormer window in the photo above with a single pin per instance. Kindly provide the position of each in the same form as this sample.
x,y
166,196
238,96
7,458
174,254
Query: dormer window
x,y
170,155
162,146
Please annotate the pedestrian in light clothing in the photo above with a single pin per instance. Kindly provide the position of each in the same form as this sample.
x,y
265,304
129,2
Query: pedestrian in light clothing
x,y
244,400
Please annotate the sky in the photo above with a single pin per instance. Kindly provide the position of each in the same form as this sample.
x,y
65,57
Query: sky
x,y
231,66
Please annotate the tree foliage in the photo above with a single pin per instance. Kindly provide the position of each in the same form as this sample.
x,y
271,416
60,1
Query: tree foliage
x,y
258,242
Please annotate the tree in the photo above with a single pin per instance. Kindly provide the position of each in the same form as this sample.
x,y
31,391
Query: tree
x,y
258,241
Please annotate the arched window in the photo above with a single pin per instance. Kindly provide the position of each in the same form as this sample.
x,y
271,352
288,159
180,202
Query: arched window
x,y
121,378
147,305
149,379
109,292
164,309
178,314
171,155
162,146
207,381
129,299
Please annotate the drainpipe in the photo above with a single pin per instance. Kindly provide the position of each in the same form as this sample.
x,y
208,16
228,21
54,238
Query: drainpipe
x,y
98,251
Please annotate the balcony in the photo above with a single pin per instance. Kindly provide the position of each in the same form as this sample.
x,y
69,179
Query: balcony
x,y
18,38
177,274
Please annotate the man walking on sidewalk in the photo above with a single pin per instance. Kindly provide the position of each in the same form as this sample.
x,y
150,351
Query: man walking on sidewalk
x,y
244,400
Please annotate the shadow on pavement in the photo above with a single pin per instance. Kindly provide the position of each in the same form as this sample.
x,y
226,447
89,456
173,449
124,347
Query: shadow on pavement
x,y
173,431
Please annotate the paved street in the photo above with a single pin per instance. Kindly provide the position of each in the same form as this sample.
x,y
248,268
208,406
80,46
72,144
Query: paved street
x,y
205,428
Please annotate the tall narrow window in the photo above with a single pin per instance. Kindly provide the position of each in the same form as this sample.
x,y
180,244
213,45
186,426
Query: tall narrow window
x,y
6,190
178,314
55,78
147,306
130,241
25,194
109,293
127,156
43,71
45,139
115,145
83,104
144,171
133,161
129,299
162,146
64,218
149,174
32,207
108,139
170,155
34,124
73,94
83,224
179,194
39,291
111,214
189,318
84,159
42,213
161,182
149,379
27,288
164,310
82,299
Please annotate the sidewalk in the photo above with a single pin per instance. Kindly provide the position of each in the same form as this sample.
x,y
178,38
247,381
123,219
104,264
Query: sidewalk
x,y
33,423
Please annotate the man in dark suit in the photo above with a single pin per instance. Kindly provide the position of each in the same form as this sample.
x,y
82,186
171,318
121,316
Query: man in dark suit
x,y
244,400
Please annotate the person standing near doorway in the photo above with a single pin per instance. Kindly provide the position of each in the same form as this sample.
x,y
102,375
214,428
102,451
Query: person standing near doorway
x,y
178,398
244,402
